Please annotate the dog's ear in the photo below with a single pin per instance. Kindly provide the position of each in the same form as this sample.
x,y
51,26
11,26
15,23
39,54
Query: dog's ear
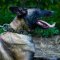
x,y
18,10
14,10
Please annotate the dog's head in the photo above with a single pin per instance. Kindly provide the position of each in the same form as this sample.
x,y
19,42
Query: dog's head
x,y
31,15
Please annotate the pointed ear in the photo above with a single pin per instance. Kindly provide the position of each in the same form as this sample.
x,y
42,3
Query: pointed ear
x,y
15,10
18,10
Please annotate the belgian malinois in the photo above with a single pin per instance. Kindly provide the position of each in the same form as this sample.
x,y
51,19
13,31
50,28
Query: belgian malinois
x,y
14,46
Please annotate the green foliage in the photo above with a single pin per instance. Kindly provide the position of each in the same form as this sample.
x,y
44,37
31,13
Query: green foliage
x,y
5,16
1,30
45,33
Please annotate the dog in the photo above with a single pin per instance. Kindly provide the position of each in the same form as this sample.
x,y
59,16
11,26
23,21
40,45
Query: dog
x,y
15,46
32,15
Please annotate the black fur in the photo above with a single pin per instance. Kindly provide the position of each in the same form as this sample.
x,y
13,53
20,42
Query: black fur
x,y
35,14
19,11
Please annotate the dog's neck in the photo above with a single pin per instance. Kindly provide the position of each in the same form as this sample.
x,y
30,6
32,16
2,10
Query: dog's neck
x,y
16,23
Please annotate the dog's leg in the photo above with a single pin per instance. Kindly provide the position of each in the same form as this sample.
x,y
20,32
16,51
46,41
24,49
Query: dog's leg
x,y
3,52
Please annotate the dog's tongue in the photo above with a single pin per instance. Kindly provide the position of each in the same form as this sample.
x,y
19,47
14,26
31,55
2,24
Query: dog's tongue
x,y
42,24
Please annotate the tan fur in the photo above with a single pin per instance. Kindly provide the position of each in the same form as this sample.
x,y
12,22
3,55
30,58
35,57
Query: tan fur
x,y
19,24
20,46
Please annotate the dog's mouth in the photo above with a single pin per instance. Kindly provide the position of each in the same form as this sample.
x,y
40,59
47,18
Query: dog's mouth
x,y
44,24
